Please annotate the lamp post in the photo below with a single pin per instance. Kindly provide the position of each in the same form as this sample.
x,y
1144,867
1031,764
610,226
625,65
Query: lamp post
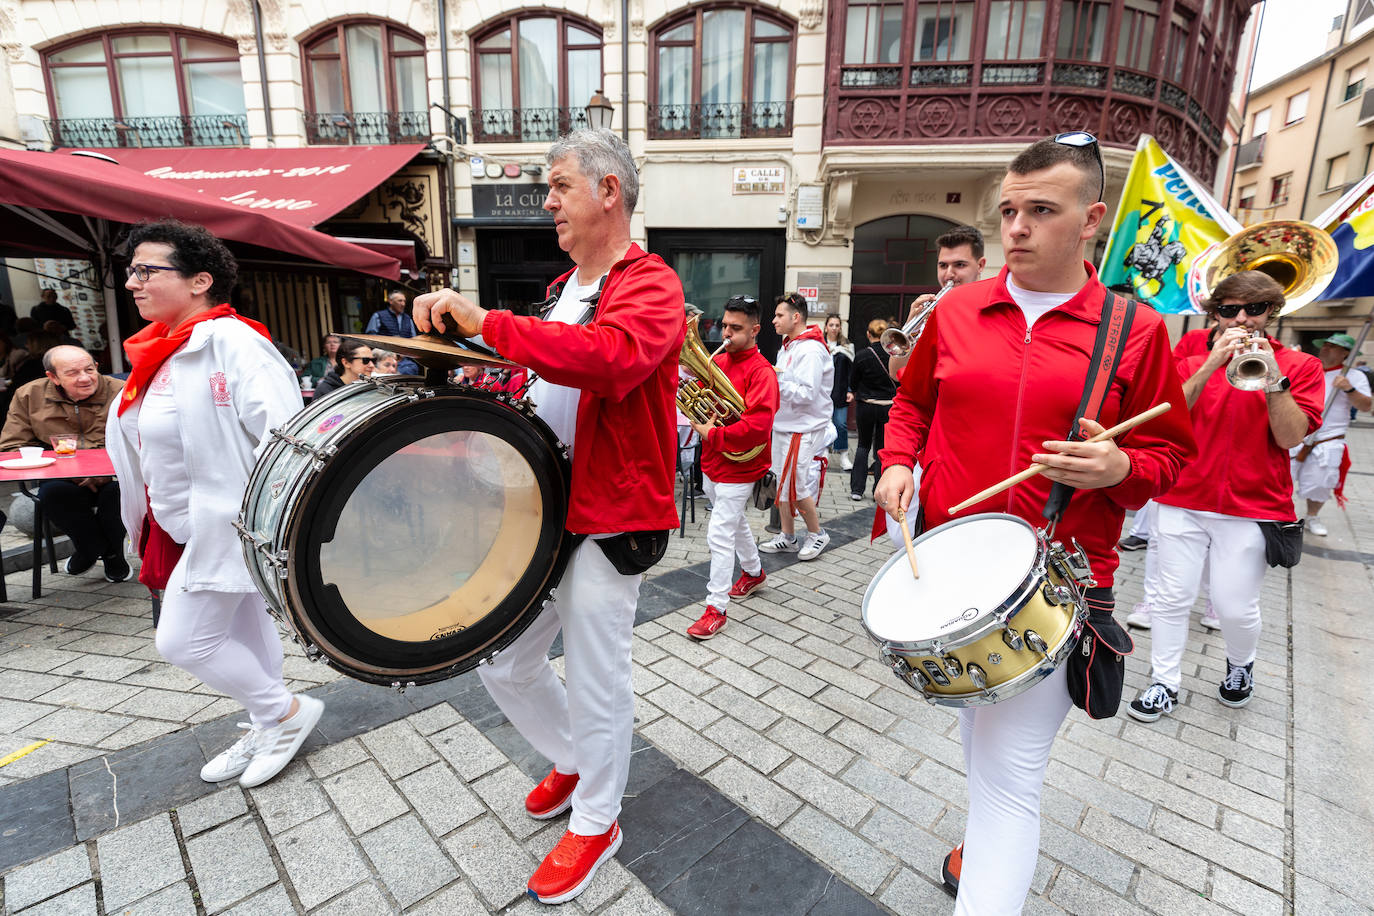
x,y
600,112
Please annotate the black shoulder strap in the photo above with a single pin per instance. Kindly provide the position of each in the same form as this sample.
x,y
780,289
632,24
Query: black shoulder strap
x,y
1112,332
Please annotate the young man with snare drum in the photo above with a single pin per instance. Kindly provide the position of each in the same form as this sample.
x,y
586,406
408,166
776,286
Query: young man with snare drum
x,y
993,385
1241,476
607,388
729,480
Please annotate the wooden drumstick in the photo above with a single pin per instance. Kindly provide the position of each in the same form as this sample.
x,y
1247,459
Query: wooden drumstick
x,y
906,538
1034,469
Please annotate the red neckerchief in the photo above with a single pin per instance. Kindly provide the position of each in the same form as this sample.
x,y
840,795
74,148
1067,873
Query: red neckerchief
x,y
151,347
812,332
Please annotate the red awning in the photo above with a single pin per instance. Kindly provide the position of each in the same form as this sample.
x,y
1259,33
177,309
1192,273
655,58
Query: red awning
x,y
402,250
59,183
303,186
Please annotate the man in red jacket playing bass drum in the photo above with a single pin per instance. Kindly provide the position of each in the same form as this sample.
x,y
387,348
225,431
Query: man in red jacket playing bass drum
x,y
729,482
607,387
993,385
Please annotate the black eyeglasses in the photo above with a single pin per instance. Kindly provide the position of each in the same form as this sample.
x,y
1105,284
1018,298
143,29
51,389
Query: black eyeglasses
x,y
1080,139
734,301
366,359
1253,309
144,272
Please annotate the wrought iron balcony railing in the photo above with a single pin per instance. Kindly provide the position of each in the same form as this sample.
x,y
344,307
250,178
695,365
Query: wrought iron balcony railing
x,y
528,125
166,130
723,120
367,128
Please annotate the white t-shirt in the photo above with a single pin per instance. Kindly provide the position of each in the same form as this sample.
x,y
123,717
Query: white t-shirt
x,y
1034,304
556,405
1338,417
162,458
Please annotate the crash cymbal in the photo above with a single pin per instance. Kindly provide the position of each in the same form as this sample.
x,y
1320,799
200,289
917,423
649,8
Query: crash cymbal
x,y
434,351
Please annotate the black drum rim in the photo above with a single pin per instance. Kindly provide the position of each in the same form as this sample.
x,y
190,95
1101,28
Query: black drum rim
x,y
318,610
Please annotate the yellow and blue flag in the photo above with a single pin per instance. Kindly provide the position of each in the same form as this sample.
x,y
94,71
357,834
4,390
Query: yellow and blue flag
x,y
1350,221
1165,219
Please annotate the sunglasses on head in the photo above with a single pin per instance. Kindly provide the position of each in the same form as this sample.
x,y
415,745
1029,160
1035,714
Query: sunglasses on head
x,y
1080,139
1253,309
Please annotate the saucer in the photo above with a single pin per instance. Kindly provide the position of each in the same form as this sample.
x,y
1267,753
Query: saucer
x,y
21,464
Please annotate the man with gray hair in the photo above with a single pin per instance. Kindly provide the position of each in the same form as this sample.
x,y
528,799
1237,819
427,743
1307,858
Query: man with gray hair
x,y
606,351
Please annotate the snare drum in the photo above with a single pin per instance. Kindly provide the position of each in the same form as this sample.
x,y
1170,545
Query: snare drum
x,y
997,609
405,533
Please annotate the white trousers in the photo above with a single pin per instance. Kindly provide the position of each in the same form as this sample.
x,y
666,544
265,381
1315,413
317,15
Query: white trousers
x,y
229,642
1318,476
728,536
1006,750
1186,539
808,464
1143,525
585,727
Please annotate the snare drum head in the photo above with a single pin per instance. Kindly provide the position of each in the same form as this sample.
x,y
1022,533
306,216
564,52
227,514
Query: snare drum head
x,y
968,568
431,539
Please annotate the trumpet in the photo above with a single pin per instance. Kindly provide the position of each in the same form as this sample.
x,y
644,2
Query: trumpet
x,y
899,341
1253,368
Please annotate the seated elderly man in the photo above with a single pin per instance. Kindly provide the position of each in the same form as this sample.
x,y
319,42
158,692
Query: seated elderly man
x,y
73,400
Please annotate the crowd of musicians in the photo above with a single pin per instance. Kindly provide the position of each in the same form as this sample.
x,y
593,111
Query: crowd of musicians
x,y
987,379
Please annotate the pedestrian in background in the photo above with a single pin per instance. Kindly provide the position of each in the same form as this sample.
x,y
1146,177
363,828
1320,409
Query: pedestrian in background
x,y
842,353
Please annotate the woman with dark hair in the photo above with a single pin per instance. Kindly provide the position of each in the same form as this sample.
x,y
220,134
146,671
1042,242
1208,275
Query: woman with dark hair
x,y
842,352
353,361
205,389
320,365
874,389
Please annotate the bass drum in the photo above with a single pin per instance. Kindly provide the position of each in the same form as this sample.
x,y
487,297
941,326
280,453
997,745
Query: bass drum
x,y
405,533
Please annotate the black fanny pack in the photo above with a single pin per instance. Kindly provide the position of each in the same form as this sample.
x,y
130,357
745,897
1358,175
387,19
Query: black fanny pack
x,y
1096,670
1282,543
765,491
634,552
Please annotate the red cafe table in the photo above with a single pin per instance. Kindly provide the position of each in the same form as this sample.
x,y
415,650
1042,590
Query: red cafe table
x,y
86,462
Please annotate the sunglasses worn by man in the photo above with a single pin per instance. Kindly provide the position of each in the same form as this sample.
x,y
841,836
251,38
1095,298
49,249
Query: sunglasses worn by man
x,y
1253,309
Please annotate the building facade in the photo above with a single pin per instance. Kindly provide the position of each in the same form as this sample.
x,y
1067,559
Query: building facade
x,y
790,144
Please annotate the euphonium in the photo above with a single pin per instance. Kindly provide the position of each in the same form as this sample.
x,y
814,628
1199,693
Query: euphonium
x,y
708,397
899,341
1252,369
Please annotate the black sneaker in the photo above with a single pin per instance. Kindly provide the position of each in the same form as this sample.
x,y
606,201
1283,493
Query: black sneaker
x,y
116,568
1131,542
1153,702
1239,684
77,564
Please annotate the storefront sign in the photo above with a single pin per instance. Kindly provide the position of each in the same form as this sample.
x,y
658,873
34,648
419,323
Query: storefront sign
x,y
759,180
821,289
510,201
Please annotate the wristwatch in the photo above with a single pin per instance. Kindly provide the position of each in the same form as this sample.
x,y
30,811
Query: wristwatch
x,y
1283,384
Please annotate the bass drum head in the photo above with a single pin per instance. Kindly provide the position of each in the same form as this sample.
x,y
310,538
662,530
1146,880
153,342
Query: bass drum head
x,y
431,539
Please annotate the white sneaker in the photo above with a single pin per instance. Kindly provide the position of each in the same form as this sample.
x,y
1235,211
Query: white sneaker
x,y
846,463
230,763
278,744
1210,620
813,544
780,543
1315,526
1139,616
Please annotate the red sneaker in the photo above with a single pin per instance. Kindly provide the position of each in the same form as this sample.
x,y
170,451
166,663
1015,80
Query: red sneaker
x,y
711,623
570,867
954,863
746,584
551,797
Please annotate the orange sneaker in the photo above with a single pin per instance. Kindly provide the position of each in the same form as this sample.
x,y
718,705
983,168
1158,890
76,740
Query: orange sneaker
x,y
746,584
570,867
551,797
954,863
711,623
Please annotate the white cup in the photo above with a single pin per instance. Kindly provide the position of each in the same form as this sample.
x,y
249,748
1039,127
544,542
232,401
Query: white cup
x,y
306,383
31,453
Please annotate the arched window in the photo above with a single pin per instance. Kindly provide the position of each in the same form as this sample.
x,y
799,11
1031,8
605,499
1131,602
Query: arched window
x,y
894,261
535,74
162,87
722,72
365,84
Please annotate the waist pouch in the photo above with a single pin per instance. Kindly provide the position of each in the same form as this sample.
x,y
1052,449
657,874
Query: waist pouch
x,y
765,491
1282,542
634,552
1096,670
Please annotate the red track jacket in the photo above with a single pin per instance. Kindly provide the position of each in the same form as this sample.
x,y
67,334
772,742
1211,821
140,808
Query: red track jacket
x,y
1240,469
625,362
757,382
982,392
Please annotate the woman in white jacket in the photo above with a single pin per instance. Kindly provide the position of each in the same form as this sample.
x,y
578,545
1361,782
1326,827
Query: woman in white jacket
x,y
205,389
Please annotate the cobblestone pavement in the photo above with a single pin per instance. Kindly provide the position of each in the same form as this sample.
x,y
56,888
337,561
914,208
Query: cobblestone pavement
x,y
778,768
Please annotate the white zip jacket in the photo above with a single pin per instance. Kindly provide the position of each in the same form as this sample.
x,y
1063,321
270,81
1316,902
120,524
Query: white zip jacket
x,y
806,373
232,388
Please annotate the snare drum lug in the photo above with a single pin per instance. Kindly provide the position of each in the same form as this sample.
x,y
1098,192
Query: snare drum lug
x,y
1013,639
994,658
1034,640
952,666
978,676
